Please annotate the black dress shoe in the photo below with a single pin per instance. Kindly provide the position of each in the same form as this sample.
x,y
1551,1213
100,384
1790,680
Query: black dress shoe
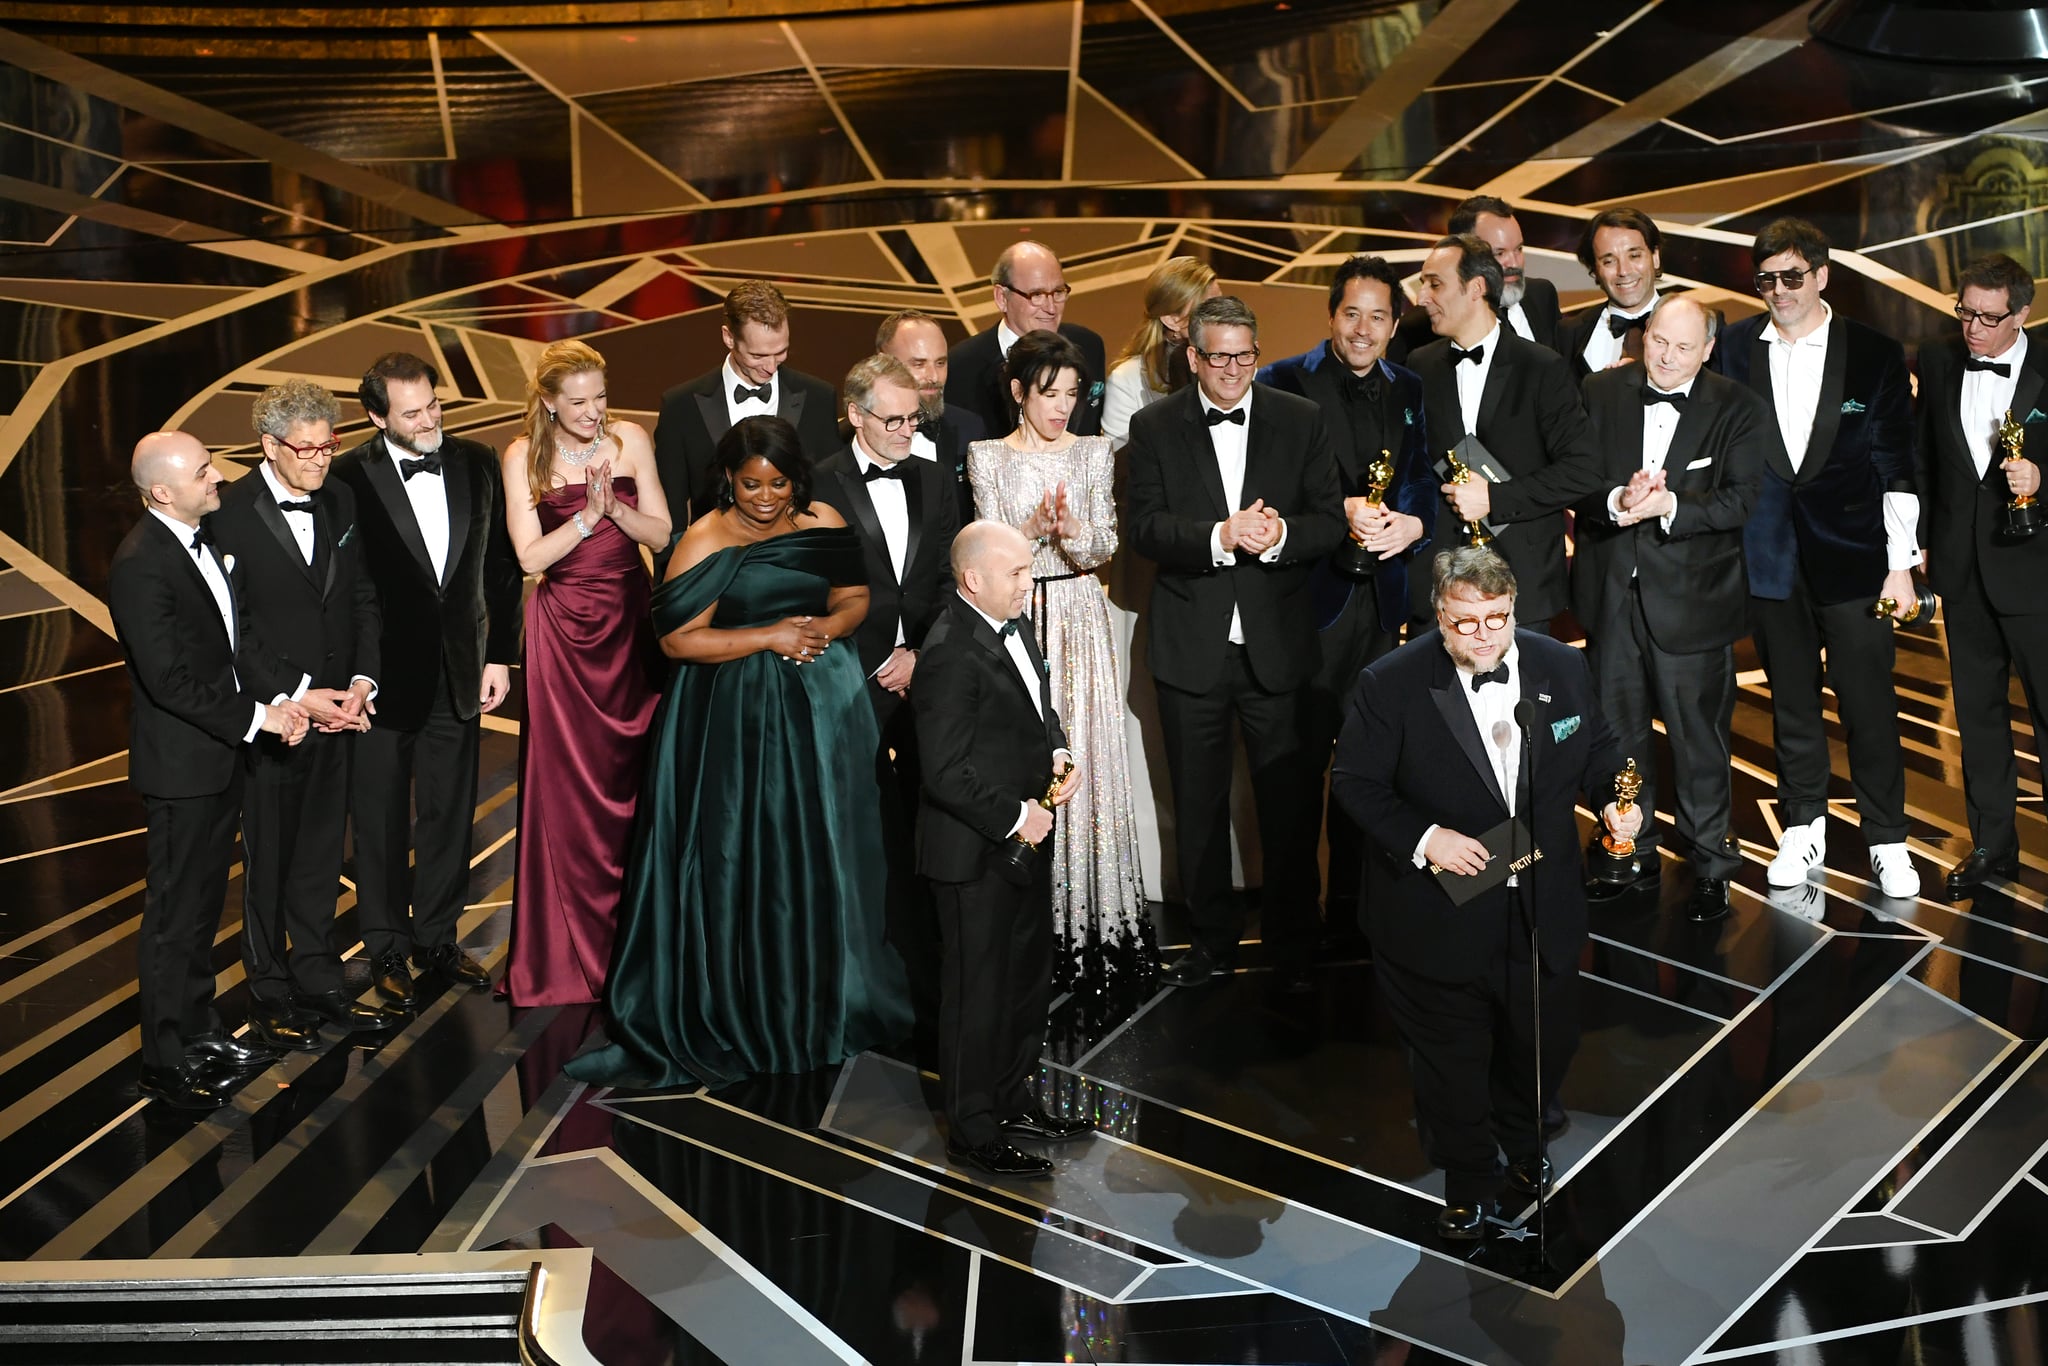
x,y
347,1014
1979,868
1709,899
453,962
1461,1223
1195,968
1041,1127
225,1051
181,1088
392,979
280,1025
999,1159
1522,1176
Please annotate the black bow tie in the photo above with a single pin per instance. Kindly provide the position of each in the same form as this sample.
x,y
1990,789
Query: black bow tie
x,y
1497,674
200,536
1475,355
1009,628
1651,397
304,505
877,470
1217,415
1618,326
2002,369
741,393
1364,387
426,464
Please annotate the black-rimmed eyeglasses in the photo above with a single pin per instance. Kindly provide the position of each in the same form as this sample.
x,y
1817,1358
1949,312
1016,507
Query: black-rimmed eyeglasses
x,y
896,424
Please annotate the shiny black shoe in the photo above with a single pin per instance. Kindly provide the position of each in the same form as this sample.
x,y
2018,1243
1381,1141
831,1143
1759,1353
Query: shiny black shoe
x,y
227,1053
1197,967
1040,1127
999,1159
181,1088
278,1024
1979,868
393,979
1522,1176
453,962
347,1014
1709,899
1461,1223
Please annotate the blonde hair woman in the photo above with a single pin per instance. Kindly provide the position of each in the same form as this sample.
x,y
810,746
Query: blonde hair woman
x,y
581,498
1154,362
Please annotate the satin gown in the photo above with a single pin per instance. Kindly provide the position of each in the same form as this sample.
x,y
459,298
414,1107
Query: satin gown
x,y
751,939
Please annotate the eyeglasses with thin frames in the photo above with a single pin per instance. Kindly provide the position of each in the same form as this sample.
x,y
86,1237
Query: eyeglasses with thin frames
x,y
326,450
1469,626
1223,359
892,425
1039,298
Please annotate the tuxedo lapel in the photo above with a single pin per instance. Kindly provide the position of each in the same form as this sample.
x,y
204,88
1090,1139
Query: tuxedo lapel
x,y
326,541
789,402
913,513
183,551
1499,376
1324,384
1202,451
1695,415
1457,714
991,640
1258,448
717,419
2026,392
863,509
461,491
1775,454
382,469
272,517
1827,411
1952,406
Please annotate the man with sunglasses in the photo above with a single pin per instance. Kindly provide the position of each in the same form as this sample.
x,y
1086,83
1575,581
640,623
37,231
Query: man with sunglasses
x,y
1835,528
1991,584
1031,294
1233,492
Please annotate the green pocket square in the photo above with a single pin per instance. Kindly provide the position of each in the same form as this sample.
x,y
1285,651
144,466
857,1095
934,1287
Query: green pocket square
x,y
1561,731
345,536
2036,415
1850,405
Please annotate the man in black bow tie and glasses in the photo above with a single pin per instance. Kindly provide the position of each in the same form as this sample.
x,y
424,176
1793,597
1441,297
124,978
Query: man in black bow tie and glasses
x,y
431,518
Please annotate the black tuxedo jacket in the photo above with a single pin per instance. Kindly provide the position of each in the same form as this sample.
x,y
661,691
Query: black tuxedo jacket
x,y
1694,587
695,418
1410,756
1962,516
927,583
435,632
1539,306
951,435
320,621
1174,492
983,748
189,713
974,381
1531,419
1826,522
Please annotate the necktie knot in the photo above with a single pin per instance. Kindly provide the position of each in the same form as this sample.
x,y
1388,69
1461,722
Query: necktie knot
x,y
877,470
1475,355
2002,369
1653,396
1619,326
1497,674
201,537
426,464
742,394
1217,415
301,505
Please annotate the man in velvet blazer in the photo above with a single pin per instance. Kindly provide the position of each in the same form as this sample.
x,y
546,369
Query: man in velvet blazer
x,y
1232,489
430,512
1659,583
1835,528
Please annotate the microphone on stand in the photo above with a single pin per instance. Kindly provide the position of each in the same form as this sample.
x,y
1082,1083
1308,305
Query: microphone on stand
x,y
1525,718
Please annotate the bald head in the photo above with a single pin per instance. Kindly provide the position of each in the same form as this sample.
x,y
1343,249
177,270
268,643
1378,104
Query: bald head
x,y
175,475
1025,270
992,565
1677,340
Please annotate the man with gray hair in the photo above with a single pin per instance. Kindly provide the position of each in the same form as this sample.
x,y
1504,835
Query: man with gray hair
x,y
312,603
1031,293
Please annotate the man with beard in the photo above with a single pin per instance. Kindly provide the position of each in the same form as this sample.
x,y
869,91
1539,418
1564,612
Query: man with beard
x,y
1031,294
431,517
1528,305
943,434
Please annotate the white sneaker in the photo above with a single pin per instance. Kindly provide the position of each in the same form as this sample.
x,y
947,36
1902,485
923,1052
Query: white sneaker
x,y
1801,850
1896,875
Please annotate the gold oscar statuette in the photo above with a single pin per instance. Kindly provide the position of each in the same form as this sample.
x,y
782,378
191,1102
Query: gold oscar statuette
x,y
1461,473
1017,859
1352,559
1628,784
2023,512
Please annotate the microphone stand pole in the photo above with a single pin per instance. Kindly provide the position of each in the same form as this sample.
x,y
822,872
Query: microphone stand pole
x,y
1525,717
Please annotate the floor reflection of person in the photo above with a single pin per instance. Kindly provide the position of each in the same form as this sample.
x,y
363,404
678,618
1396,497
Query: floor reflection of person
x,y
751,934
581,498
1428,762
1055,488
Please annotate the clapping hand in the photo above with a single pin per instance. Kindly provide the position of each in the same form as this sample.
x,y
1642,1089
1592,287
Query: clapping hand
x,y
1052,516
1645,497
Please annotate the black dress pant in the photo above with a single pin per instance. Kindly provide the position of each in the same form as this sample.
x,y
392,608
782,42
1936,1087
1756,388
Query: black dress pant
x,y
995,988
1695,694
1200,758
413,791
1985,648
191,843
294,816
910,928
1790,636
1471,1050
1349,643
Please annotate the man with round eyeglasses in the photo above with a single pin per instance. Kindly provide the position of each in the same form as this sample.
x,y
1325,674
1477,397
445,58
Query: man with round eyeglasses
x,y
1031,293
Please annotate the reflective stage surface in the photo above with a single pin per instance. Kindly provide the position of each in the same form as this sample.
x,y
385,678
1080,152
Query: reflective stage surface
x,y
1814,1133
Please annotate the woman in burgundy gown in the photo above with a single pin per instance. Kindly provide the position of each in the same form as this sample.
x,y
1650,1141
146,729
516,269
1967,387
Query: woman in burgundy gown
x,y
582,497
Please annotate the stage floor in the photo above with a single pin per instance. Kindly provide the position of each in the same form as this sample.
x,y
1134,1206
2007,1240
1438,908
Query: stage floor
x,y
1814,1133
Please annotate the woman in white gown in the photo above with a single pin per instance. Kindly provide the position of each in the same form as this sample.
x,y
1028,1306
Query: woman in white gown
x,y
1154,362
1056,488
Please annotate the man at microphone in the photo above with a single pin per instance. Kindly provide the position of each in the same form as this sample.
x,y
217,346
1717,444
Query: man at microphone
x,y
1430,765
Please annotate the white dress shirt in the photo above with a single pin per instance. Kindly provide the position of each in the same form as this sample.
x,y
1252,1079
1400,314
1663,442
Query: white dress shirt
x,y
1518,319
1987,397
1660,424
923,447
300,522
1005,338
892,510
214,571
1228,440
1471,377
1493,705
428,494
1014,643
753,407
1603,348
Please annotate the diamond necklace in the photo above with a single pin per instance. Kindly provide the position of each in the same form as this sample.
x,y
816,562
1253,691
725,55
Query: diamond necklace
x,y
582,457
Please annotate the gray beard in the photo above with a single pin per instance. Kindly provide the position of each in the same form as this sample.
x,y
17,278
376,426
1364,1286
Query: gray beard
x,y
1511,294
401,446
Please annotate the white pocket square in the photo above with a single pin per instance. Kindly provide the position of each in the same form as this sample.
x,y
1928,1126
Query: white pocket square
x,y
1701,463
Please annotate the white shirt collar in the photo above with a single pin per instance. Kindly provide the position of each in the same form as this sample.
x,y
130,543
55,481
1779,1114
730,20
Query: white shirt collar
x,y
734,380
1005,338
993,624
277,489
2012,355
863,459
1244,403
1684,390
1486,343
178,528
1615,312
1818,337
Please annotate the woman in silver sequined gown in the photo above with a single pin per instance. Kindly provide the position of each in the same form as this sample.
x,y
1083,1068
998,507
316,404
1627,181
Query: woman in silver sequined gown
x,y
1057,488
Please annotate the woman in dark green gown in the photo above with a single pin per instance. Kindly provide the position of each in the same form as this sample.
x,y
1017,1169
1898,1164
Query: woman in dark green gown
x,y
751,935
